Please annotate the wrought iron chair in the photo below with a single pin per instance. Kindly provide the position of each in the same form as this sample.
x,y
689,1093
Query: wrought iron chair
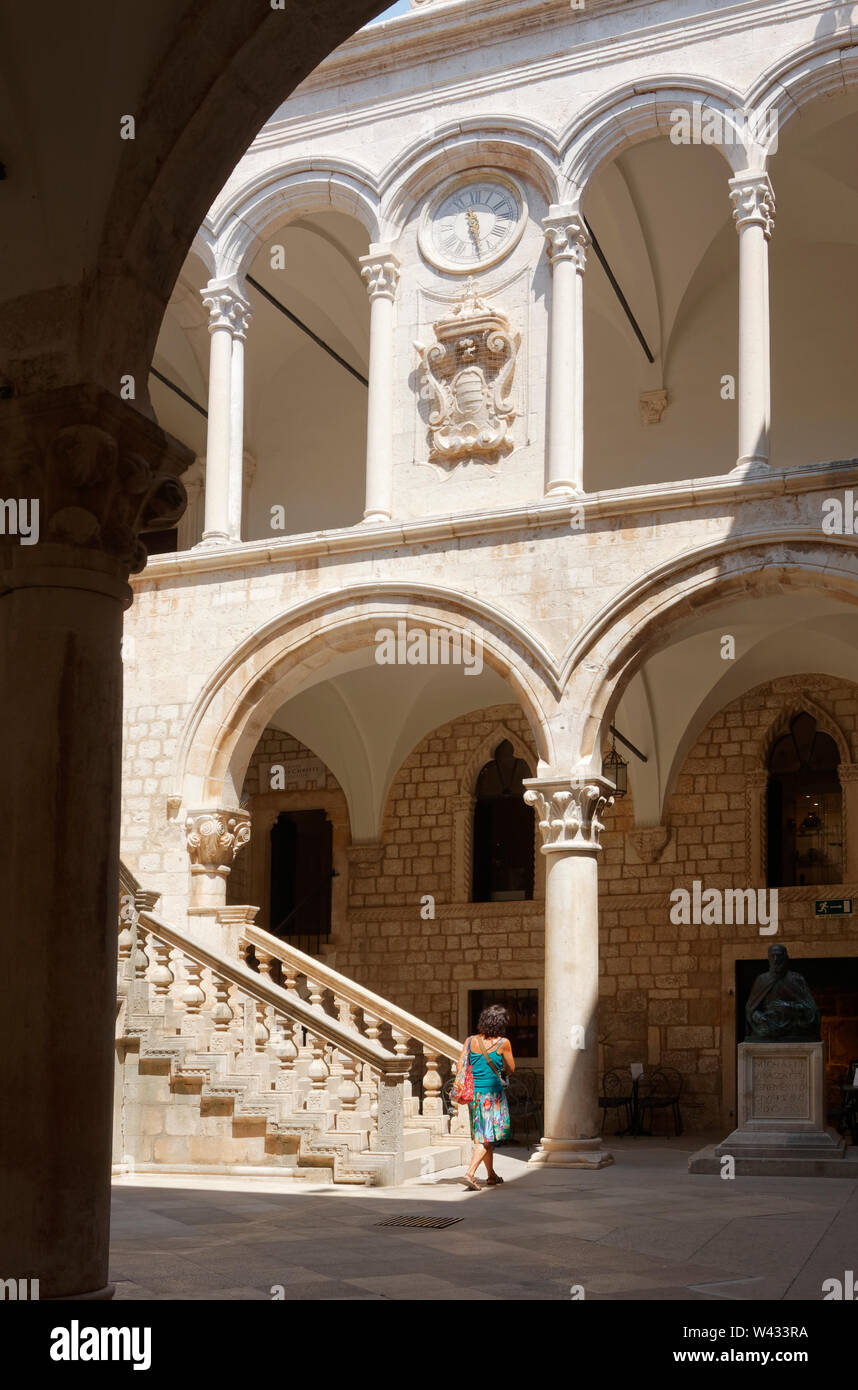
x,y
525,1107
660,1088
616,1095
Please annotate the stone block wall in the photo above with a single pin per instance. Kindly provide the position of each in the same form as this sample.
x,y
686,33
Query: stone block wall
x,y
664,991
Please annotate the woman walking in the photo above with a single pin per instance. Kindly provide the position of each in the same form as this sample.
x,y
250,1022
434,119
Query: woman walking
x,y
488,1051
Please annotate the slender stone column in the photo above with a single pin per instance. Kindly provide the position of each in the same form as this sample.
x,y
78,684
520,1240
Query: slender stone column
x,y
380,270
754,212
236,426
190,525
568,813
100,473
567,251
229,315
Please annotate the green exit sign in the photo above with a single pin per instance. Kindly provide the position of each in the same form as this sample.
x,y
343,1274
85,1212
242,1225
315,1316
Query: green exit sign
x,y
833,907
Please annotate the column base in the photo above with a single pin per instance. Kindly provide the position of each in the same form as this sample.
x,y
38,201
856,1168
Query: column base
x,y
562,488
213,540
570,1153
751,465
376,518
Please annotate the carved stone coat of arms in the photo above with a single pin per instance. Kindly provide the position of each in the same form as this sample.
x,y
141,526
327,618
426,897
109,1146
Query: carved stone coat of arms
x,y
468,373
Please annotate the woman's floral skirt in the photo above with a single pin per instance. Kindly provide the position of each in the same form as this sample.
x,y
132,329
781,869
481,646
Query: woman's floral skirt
x,y
489,1117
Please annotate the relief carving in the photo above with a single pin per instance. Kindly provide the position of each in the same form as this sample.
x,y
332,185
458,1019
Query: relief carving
x,y
468,374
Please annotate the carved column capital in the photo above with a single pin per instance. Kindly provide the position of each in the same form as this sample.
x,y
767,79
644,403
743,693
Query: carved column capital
x,y
214,837
847,772
94,474
753,202
567,239
228,308
568,812
380,273
758,780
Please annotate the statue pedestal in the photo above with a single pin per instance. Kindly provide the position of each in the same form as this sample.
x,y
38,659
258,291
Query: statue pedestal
x,y
781,1130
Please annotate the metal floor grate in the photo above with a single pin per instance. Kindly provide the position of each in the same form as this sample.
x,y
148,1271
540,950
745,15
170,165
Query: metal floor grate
x,y
424,1223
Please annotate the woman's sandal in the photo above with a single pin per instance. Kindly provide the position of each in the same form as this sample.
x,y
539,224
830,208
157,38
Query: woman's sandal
x,y
495,1181
471,1183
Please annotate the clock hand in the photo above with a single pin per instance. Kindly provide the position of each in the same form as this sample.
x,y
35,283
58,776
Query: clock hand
x,y
473,225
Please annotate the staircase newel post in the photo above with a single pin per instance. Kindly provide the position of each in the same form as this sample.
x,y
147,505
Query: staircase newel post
x,y
400,1047
390,1136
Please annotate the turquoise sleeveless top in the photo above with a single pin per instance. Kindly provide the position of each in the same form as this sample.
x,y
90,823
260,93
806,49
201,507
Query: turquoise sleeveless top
x,y
485,1079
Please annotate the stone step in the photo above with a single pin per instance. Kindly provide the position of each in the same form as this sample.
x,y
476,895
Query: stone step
x,y
436,1158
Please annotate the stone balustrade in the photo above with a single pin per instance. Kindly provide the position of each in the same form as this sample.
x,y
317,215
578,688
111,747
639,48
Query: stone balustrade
x,y
344,999
243,1035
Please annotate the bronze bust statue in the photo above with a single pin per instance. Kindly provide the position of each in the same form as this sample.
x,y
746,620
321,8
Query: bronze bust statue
x,y
780,1006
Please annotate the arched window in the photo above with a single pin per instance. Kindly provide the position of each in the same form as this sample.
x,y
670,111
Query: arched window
x,y
804,812
503,830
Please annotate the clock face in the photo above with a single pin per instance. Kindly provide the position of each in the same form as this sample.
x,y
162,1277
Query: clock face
x,y
472,222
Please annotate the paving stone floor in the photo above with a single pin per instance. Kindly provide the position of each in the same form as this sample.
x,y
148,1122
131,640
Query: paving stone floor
x,y
641,1229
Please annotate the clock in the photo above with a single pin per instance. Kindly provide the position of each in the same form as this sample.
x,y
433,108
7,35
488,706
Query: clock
x,y
472,221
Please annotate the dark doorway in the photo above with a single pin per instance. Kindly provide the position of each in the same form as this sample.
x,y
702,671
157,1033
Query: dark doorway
x,y
803,807
833,982
522,1005
503,831
302,868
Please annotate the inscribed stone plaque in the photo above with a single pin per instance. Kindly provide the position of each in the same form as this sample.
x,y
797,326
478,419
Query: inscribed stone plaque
x,y
780,1089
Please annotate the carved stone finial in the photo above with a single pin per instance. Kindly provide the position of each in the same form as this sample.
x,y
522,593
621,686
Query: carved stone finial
x,y
214,838
568,812
753,201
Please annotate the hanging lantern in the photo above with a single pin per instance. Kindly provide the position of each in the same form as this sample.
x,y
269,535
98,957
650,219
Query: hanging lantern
x,y
616,770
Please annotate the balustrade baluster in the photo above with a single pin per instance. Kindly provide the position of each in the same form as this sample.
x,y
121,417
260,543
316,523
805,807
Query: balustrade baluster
x,y
222,1014
140,957
193,996
284,1048
318,1073
432,1103
261,1033
349,1091
161,976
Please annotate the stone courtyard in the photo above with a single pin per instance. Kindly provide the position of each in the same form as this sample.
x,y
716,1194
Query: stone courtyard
x,y
642,1229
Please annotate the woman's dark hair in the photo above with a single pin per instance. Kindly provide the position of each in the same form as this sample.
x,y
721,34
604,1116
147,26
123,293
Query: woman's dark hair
x,y
493,1021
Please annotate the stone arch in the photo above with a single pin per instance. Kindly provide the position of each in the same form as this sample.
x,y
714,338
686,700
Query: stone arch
x,y
281,658
630,115
242,224
463,814
800,703
645,617
485,753
817,70
757,821
522,147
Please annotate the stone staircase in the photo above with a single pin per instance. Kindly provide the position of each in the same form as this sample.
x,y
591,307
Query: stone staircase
x,y
269,1063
